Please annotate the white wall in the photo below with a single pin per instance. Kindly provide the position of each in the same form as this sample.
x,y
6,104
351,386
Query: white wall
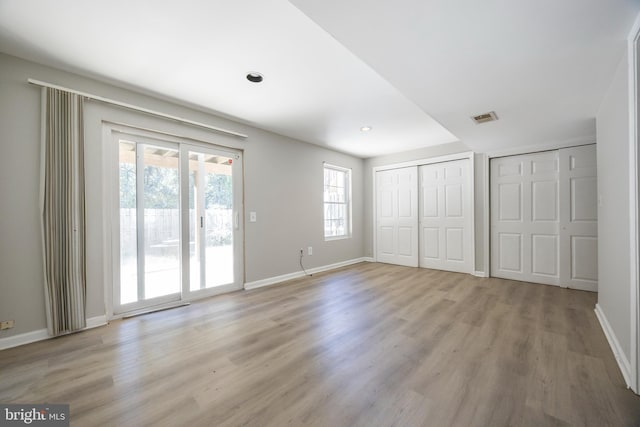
x,y
283,184
426,153
613,212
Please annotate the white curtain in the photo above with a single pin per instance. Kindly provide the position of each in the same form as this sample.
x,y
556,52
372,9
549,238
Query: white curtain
x,y
63,211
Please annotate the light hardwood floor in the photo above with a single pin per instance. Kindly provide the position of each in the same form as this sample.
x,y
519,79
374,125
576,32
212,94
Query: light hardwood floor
x,y
367,345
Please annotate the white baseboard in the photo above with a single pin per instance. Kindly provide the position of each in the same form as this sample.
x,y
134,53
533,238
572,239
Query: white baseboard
x,y
336,265
94,322
368,259
43,334
283,278
623,362
480,274
272,280
22,339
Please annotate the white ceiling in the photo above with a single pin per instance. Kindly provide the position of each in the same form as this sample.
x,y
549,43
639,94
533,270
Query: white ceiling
x,y
542,65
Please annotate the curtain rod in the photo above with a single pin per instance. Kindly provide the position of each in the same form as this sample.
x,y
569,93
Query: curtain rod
x,y
136,108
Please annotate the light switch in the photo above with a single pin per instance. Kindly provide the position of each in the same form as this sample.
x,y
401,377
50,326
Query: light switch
x,y
253,217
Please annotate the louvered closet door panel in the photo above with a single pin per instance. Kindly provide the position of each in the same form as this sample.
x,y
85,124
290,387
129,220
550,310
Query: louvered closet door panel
x,y
445,216
525,241
397,216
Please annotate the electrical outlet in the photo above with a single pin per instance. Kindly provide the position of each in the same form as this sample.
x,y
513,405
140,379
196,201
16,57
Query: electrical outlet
x,y
7,324
310,250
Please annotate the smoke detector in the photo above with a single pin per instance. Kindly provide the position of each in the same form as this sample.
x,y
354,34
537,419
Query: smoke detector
x,y
484,118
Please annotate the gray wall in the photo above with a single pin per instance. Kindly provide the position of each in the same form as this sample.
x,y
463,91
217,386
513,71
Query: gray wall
x,y
612,124
283,184
426,153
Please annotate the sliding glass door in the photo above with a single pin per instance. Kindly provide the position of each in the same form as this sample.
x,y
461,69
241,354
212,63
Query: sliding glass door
x,y
212,219
179,231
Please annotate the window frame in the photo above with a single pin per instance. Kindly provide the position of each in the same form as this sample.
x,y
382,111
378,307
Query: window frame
x,y
347,203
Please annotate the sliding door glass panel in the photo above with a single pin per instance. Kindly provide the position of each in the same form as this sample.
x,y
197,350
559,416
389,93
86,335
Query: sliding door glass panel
x,y
218,196
195,236
210,220
161,222
128,224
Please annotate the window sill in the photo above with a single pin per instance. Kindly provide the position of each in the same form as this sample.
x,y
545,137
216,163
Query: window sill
x,y
328,239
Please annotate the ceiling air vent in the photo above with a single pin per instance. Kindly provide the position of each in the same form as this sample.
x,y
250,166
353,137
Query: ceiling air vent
x,y
484,118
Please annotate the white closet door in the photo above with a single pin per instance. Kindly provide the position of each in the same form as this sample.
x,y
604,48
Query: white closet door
x,y
445,216
525,219
397,216
579,218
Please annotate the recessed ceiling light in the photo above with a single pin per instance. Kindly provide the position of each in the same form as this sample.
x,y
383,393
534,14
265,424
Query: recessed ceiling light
x,y
365,128
255,77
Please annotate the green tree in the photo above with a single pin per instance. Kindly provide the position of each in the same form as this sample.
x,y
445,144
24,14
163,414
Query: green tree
x,y
127,185
161,188
219,191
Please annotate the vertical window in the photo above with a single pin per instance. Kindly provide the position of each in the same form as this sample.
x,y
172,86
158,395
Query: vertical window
x,y
337,202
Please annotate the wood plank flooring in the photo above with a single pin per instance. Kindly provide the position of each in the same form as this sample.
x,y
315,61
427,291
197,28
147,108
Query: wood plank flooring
x,y
367,345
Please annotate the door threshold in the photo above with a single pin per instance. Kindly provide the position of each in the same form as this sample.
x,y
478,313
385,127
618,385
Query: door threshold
x,y
157,308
